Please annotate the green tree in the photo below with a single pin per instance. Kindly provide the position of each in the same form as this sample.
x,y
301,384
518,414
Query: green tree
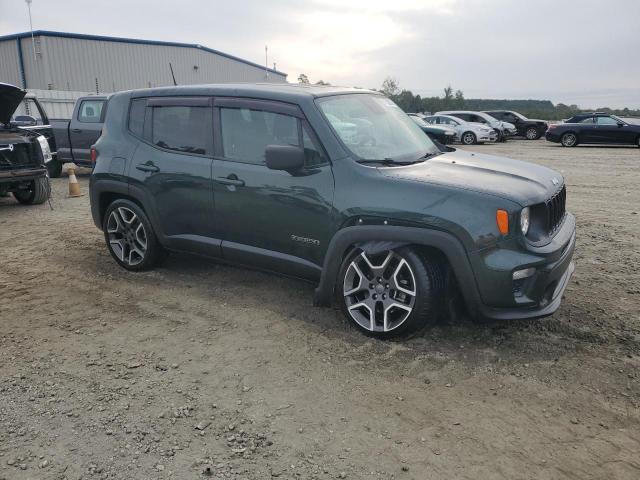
x,y
390,87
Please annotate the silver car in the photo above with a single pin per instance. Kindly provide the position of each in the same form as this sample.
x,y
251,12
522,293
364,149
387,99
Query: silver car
x,y
503,129
467,133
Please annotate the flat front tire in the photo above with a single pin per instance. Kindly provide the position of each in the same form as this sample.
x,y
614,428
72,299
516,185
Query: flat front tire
x,y
36,193
390,293
130,237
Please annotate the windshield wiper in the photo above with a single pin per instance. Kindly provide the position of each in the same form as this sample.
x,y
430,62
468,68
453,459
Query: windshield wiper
x,y
392,162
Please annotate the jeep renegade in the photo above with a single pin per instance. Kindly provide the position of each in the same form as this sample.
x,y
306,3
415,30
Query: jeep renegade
x,y
336,186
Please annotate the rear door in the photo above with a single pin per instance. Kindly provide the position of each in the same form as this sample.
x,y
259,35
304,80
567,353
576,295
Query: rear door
x,y
171,168
270,218
85,128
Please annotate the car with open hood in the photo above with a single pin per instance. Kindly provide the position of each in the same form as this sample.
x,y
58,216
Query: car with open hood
x,y
24,151
335,186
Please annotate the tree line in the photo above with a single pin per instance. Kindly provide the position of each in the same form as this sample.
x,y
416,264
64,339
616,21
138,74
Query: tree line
x,y
455,100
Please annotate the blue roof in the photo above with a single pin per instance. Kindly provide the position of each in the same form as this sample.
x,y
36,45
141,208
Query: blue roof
x,y
82,36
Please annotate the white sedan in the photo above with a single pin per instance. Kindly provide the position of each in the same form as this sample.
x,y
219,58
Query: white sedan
x,y
467,133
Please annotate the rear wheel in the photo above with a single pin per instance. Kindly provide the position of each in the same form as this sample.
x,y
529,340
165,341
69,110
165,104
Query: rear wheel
x,y
532,133
569,139
390,293
130,237
35,193
469,138
54,168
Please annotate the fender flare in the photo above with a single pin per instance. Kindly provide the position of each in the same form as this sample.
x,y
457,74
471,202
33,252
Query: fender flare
x,y
395,236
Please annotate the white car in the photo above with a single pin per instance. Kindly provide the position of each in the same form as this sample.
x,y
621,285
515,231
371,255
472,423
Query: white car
x,y
467,133
503,129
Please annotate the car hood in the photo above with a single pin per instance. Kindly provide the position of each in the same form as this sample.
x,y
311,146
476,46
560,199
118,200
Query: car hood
x,y
10,98
521,182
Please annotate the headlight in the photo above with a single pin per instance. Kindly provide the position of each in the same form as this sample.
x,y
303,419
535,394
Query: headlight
x,y
524,220
46,151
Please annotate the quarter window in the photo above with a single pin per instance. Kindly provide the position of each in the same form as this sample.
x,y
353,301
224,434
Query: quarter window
x,y
91,111
136,116
186,129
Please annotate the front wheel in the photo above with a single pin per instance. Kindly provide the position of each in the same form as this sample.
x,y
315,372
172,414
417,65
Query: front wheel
x,y
469,138
130,237
36,192
532,133
569,139
390,293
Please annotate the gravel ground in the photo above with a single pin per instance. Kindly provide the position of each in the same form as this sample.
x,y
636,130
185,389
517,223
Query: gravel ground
x,y
200,370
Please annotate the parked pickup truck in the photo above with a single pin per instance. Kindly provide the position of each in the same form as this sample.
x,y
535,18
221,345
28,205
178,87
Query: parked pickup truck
x,y
74,137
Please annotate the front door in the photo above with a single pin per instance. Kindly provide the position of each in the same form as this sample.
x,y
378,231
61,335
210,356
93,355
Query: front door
x,y
172,169
609,130
273,219
85,128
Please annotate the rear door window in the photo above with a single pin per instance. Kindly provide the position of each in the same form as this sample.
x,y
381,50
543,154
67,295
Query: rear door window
x,y
186,129
90,111
587,120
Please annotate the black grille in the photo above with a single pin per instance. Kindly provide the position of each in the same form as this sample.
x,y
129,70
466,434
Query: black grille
x,y
556,210
21,156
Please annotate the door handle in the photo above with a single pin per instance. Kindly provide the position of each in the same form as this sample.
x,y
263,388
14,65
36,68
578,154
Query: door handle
x,y
76,130
147,167
230,180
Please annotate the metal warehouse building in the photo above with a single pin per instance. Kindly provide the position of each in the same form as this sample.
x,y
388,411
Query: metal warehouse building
x,y
88,63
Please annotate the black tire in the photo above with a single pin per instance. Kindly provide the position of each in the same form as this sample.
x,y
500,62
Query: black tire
x,y
428,274
532,133
569,139
37,192
154,253
54,168
468,138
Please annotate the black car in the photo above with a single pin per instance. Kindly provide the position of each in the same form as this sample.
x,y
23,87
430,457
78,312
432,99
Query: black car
x,y
440,133
335,186
24,152
529,128
594,128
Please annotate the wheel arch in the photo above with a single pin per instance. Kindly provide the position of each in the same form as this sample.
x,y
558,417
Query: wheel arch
x,y
376,238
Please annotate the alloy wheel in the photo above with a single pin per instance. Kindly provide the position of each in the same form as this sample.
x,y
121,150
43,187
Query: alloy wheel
x,y
127,236
569,139
531,134
468,138
379,292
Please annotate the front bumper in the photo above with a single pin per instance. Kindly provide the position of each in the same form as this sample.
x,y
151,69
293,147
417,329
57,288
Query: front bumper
x,y
536,296
24,175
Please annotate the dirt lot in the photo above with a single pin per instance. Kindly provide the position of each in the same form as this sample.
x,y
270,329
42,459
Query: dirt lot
x,y
199,369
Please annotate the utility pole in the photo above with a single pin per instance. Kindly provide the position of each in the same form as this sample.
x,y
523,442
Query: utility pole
x,y
266,62
33,42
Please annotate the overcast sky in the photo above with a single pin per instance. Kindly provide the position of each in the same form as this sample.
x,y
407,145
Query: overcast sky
x,y
572,51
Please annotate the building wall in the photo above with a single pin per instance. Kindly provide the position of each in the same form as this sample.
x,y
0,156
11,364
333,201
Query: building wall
x,y
75,64
9,64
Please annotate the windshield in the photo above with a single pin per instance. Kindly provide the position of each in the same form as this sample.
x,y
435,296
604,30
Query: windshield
x,y
419,121
372,127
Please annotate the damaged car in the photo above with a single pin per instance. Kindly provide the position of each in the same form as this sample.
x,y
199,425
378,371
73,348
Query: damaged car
x,y
24,153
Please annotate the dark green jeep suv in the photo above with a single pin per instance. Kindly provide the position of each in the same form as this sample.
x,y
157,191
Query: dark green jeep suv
x,y
335,186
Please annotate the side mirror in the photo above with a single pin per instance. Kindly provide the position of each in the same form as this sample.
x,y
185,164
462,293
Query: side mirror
x,y
620,124
284,157
25,121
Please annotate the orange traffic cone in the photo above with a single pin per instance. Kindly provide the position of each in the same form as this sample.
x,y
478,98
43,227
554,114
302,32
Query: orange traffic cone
x,y
74,186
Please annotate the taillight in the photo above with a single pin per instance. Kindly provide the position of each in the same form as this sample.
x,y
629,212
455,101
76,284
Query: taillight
x,y
93,154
